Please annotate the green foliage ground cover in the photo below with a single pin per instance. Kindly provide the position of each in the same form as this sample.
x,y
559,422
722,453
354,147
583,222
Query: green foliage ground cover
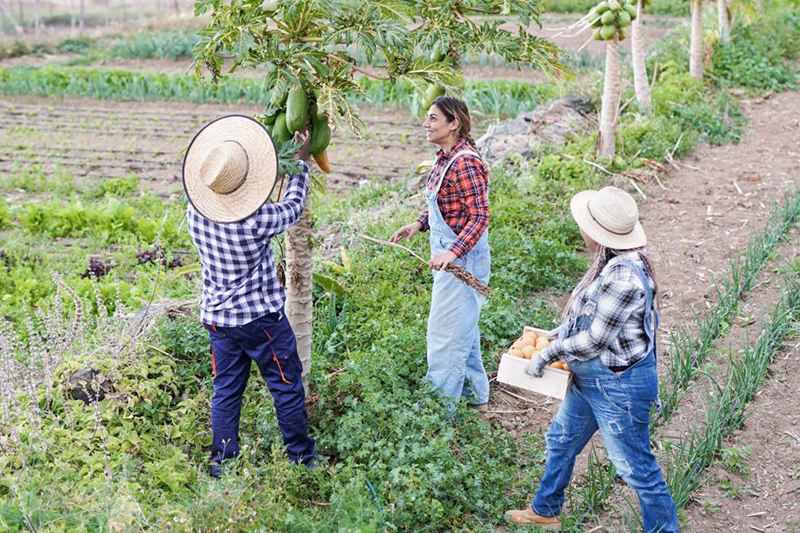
x,y
138,461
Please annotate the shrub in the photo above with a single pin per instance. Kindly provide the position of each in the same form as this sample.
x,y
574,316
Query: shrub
x,y
760,54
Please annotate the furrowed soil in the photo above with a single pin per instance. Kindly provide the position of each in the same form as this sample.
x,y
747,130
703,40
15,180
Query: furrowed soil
x,y
106,139
700,219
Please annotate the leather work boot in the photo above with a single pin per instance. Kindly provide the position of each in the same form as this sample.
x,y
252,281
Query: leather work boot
x,y
527,517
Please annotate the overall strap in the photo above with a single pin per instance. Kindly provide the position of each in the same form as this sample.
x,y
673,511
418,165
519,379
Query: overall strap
x,y
449,164
651,325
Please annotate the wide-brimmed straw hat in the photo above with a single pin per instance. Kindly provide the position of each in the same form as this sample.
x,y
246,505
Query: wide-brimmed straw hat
x,y
230,168
610,217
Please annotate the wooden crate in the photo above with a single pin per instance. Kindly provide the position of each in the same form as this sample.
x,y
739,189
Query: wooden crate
x,y
554,383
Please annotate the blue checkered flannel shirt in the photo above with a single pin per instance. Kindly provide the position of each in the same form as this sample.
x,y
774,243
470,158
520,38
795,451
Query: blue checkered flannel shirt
x,y
616,333
240,283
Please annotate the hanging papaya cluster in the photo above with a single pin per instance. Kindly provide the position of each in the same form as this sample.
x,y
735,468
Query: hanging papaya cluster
x,y
611,17
289,112
435,90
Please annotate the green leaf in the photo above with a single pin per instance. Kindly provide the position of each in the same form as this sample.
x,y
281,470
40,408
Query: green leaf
x,y
328,284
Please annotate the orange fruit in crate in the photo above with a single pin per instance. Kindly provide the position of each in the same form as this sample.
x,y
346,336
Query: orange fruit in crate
x,y
518,344
528,351
541,342
529,338
516,353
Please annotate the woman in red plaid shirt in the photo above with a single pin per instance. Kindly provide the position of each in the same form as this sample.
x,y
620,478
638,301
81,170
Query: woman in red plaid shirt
x,y
457,217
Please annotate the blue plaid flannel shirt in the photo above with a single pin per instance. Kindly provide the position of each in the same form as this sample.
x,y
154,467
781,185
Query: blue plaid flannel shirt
x,y
240,283
616,333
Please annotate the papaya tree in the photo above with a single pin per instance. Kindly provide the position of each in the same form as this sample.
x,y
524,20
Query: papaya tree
x,y
723,21
641,85
611,19
314,51
696,46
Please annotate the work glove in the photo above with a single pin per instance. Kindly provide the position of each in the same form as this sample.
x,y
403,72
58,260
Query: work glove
x,y
535,366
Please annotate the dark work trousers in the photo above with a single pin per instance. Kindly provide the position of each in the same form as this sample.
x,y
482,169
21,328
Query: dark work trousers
x,y
270,342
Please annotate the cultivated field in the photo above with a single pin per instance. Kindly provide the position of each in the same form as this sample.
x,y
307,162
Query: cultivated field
x,y
105,371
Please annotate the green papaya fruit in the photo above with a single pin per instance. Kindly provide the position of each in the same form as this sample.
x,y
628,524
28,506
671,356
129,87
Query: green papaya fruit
x,y
434,91
278,98
280,134
438,55
624,19
607,31
608,18
601,8
315,113
614,5
268,120
296,109
597,36
630,9
597,23
320,135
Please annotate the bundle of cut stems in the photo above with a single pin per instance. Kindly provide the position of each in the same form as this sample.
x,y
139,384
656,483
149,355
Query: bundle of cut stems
x,y
460,273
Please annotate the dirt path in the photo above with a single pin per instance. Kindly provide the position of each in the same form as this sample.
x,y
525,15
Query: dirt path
x,y
713,202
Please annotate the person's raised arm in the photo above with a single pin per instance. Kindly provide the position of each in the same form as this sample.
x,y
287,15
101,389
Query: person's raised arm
x,y
278,217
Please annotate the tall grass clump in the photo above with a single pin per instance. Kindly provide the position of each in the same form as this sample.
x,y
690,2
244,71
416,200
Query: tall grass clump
x,y
172,45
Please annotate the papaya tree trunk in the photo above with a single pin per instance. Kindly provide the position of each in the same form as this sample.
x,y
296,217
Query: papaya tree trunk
x,y
640,83
299,304
36,18
696,46
724,21
611,95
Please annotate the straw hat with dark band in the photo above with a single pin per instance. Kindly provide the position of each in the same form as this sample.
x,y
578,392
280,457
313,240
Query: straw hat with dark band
x,y
230,168
610,217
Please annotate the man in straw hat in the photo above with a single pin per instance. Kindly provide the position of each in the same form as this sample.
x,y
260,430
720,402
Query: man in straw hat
x,y
608,338
229,172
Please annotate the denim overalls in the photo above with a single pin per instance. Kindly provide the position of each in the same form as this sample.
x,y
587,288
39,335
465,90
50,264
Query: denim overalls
x,y
455,366
619,406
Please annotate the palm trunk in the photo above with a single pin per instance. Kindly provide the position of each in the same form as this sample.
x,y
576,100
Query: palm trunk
x,y
611,95
640,83
299,304
36,19
696,47
724,21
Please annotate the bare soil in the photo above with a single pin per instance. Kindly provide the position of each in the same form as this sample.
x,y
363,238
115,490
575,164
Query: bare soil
x,y
701,219
114,139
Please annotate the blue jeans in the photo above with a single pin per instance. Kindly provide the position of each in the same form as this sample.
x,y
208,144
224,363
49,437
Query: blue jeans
x,y
618,405
270,342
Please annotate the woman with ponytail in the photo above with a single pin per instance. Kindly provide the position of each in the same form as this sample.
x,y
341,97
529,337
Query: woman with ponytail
x,y
458,218
608,337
